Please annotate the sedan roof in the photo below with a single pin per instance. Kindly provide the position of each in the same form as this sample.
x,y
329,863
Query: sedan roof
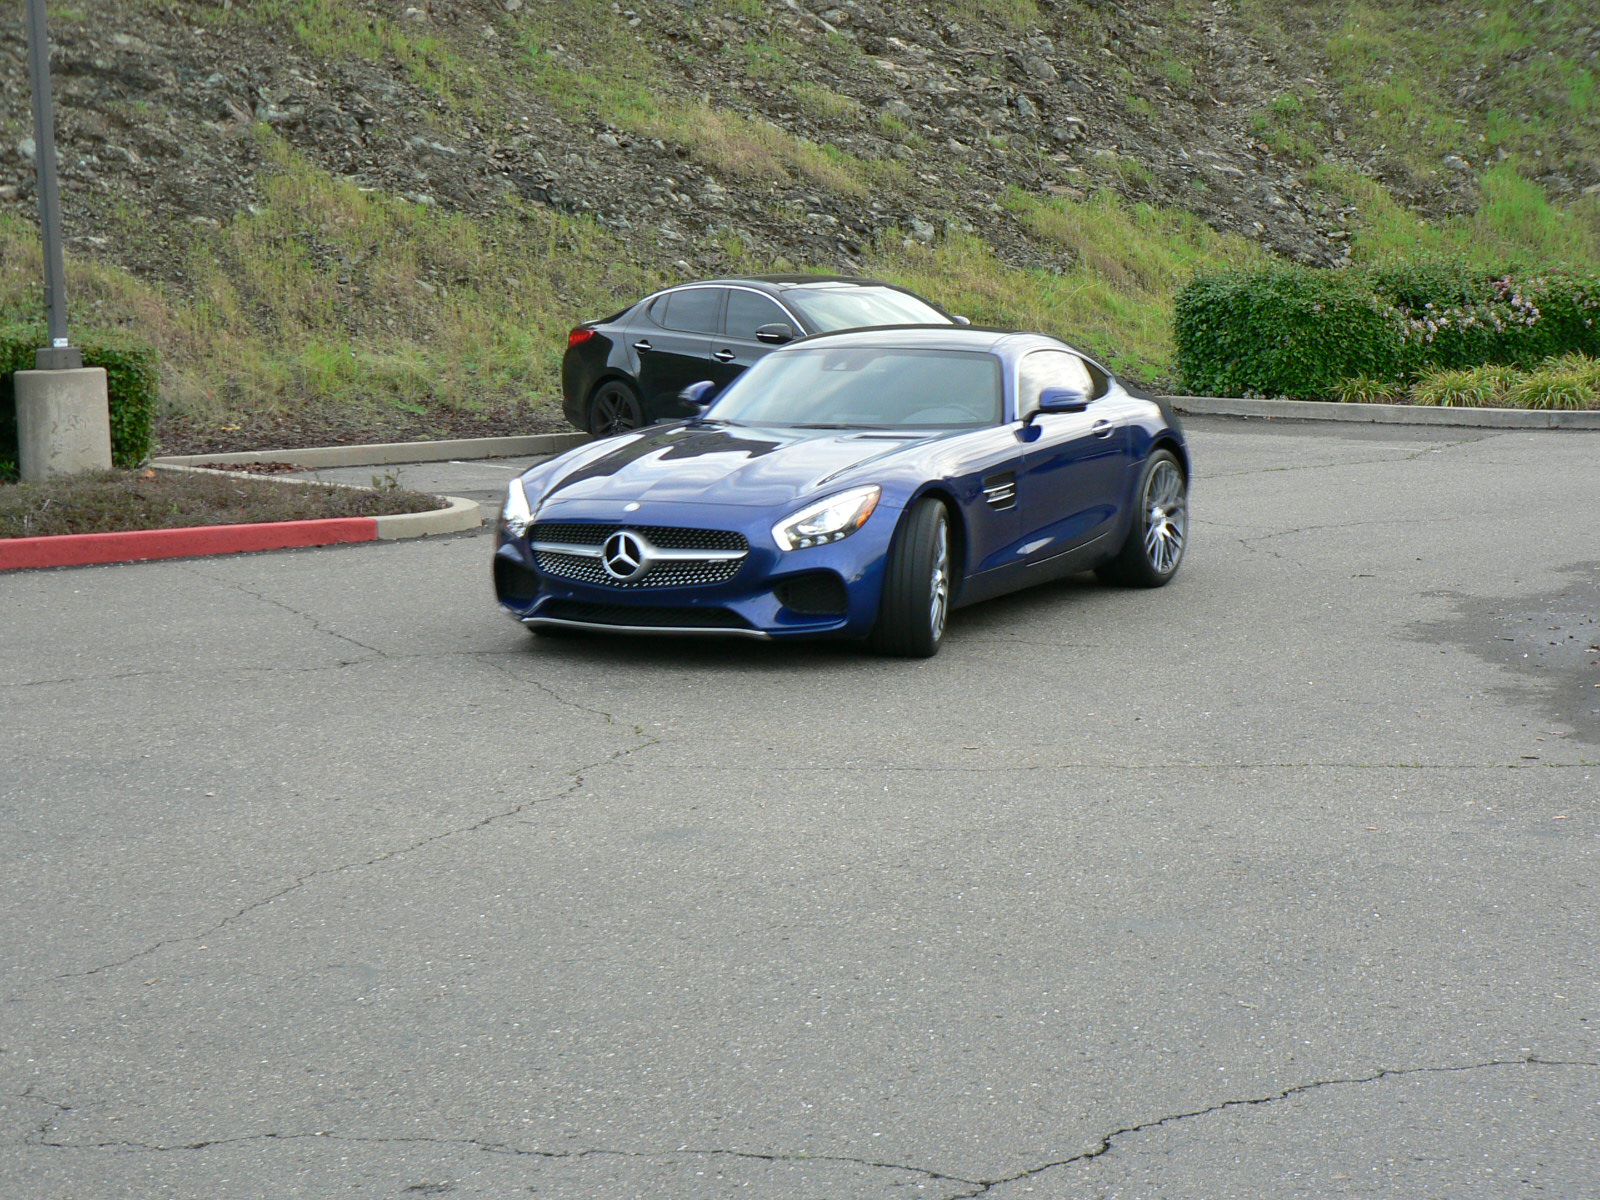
x,y
935,337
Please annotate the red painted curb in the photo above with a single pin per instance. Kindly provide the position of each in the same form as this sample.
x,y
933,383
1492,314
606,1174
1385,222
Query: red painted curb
x,y
79,549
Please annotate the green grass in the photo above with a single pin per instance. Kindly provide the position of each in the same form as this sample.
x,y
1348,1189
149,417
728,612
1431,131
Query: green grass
x,y
1515,223
825,104
1014,15
332,297
1418,70
1122,265
346,29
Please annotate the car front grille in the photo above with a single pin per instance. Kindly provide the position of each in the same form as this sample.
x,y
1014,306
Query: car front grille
x,y
555,546
667,537
663,574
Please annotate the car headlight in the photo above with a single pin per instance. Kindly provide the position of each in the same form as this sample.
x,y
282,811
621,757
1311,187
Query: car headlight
x,y
516,516
827,520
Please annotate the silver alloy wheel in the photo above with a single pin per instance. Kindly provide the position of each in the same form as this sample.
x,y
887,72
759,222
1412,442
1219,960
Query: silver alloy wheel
x,y
1166,517
939,582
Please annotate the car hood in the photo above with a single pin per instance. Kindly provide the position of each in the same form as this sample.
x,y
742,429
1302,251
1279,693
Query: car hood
x,y
721,464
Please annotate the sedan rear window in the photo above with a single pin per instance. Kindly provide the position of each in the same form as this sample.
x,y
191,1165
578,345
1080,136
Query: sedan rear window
x,y
693,310
866,388
829,307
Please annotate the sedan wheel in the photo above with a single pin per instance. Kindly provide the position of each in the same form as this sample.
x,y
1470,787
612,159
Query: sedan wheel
x,y
917,585
614,408
1154,546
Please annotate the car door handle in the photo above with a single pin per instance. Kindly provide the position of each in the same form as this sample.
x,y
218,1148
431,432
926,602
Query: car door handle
x,y
643,344
1101,429
725,355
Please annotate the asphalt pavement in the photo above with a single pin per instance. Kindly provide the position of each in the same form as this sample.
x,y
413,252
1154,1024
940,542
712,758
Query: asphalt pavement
x,y
480,479
321,878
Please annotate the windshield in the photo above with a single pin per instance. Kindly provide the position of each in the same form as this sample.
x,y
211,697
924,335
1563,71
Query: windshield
x,y
826,308
866,388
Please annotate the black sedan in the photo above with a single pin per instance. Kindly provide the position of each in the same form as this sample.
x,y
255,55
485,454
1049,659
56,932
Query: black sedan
x,y
626,370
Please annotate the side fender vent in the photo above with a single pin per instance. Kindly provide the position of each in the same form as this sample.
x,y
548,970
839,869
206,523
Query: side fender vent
x,y
1000,491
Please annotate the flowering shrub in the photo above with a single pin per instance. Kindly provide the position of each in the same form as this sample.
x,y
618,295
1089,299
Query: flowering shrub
x,y
1300,332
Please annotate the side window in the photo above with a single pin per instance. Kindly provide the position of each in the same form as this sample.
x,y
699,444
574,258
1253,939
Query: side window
x,y
749,311
1099,381
693,310
1051,368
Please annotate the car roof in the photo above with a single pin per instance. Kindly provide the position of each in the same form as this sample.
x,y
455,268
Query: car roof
x,y
1005,342
783,283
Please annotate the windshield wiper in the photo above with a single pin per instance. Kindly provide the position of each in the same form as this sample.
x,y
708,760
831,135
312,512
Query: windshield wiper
x,y
826,426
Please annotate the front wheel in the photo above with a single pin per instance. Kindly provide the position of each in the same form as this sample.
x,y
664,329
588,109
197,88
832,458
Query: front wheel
x,y
614,408
1154,546
916,585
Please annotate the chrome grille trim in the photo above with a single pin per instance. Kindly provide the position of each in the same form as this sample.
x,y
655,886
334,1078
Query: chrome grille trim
x,y
577,551
662,537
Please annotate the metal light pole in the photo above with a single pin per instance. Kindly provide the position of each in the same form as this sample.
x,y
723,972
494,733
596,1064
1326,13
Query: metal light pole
x,y
60,354
63,421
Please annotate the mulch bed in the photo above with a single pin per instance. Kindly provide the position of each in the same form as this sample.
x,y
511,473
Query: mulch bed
x,y
114,501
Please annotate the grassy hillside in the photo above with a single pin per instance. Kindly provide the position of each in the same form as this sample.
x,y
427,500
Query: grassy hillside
x,y
351,218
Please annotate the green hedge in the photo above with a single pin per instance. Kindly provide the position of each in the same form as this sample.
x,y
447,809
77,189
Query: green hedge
x,y
1281,330
132,379
1294,331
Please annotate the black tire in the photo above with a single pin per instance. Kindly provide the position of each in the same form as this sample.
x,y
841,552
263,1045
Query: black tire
x,y
614,408
916,584
1153,550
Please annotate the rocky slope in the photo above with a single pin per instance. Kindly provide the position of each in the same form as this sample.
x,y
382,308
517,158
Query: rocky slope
x,y
932,114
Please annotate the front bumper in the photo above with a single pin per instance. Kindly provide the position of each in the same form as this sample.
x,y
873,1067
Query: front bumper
x,y
831,590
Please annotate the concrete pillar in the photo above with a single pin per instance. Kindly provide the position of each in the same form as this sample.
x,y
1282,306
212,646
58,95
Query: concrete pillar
x,y
63,423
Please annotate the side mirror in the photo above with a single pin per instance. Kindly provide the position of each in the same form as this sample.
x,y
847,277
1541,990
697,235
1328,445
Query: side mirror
x,y
698,395
1063,400
960,320
775,334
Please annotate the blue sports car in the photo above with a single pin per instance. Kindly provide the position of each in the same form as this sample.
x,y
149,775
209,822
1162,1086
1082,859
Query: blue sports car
x,y
858,484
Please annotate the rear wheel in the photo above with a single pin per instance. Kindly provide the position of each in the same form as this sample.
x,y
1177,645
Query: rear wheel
x,y
614,408
916,585
1154,547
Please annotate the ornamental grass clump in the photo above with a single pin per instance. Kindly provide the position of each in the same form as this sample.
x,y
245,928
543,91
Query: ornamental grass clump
x,y
1474,387
1566,381
1571,381
1366,389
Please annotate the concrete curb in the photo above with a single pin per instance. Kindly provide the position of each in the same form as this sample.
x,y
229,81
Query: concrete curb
x,y
460,514
139,545
1387,414
381,453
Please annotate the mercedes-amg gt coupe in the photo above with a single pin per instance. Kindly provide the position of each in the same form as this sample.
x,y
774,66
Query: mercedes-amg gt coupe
x,y
859,484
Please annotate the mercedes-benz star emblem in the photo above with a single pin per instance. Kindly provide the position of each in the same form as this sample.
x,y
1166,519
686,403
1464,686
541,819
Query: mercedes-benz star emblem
x,y
625,556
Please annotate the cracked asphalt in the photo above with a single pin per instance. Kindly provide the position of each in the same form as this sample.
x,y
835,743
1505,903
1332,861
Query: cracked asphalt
x,y
319,878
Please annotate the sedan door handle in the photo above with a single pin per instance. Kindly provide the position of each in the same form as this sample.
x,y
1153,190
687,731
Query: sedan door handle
x,y
643,344
725,355
1101,429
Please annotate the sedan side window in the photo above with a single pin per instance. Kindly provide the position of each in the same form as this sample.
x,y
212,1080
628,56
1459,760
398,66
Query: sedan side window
x,y
693,310
1051,368
749,311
